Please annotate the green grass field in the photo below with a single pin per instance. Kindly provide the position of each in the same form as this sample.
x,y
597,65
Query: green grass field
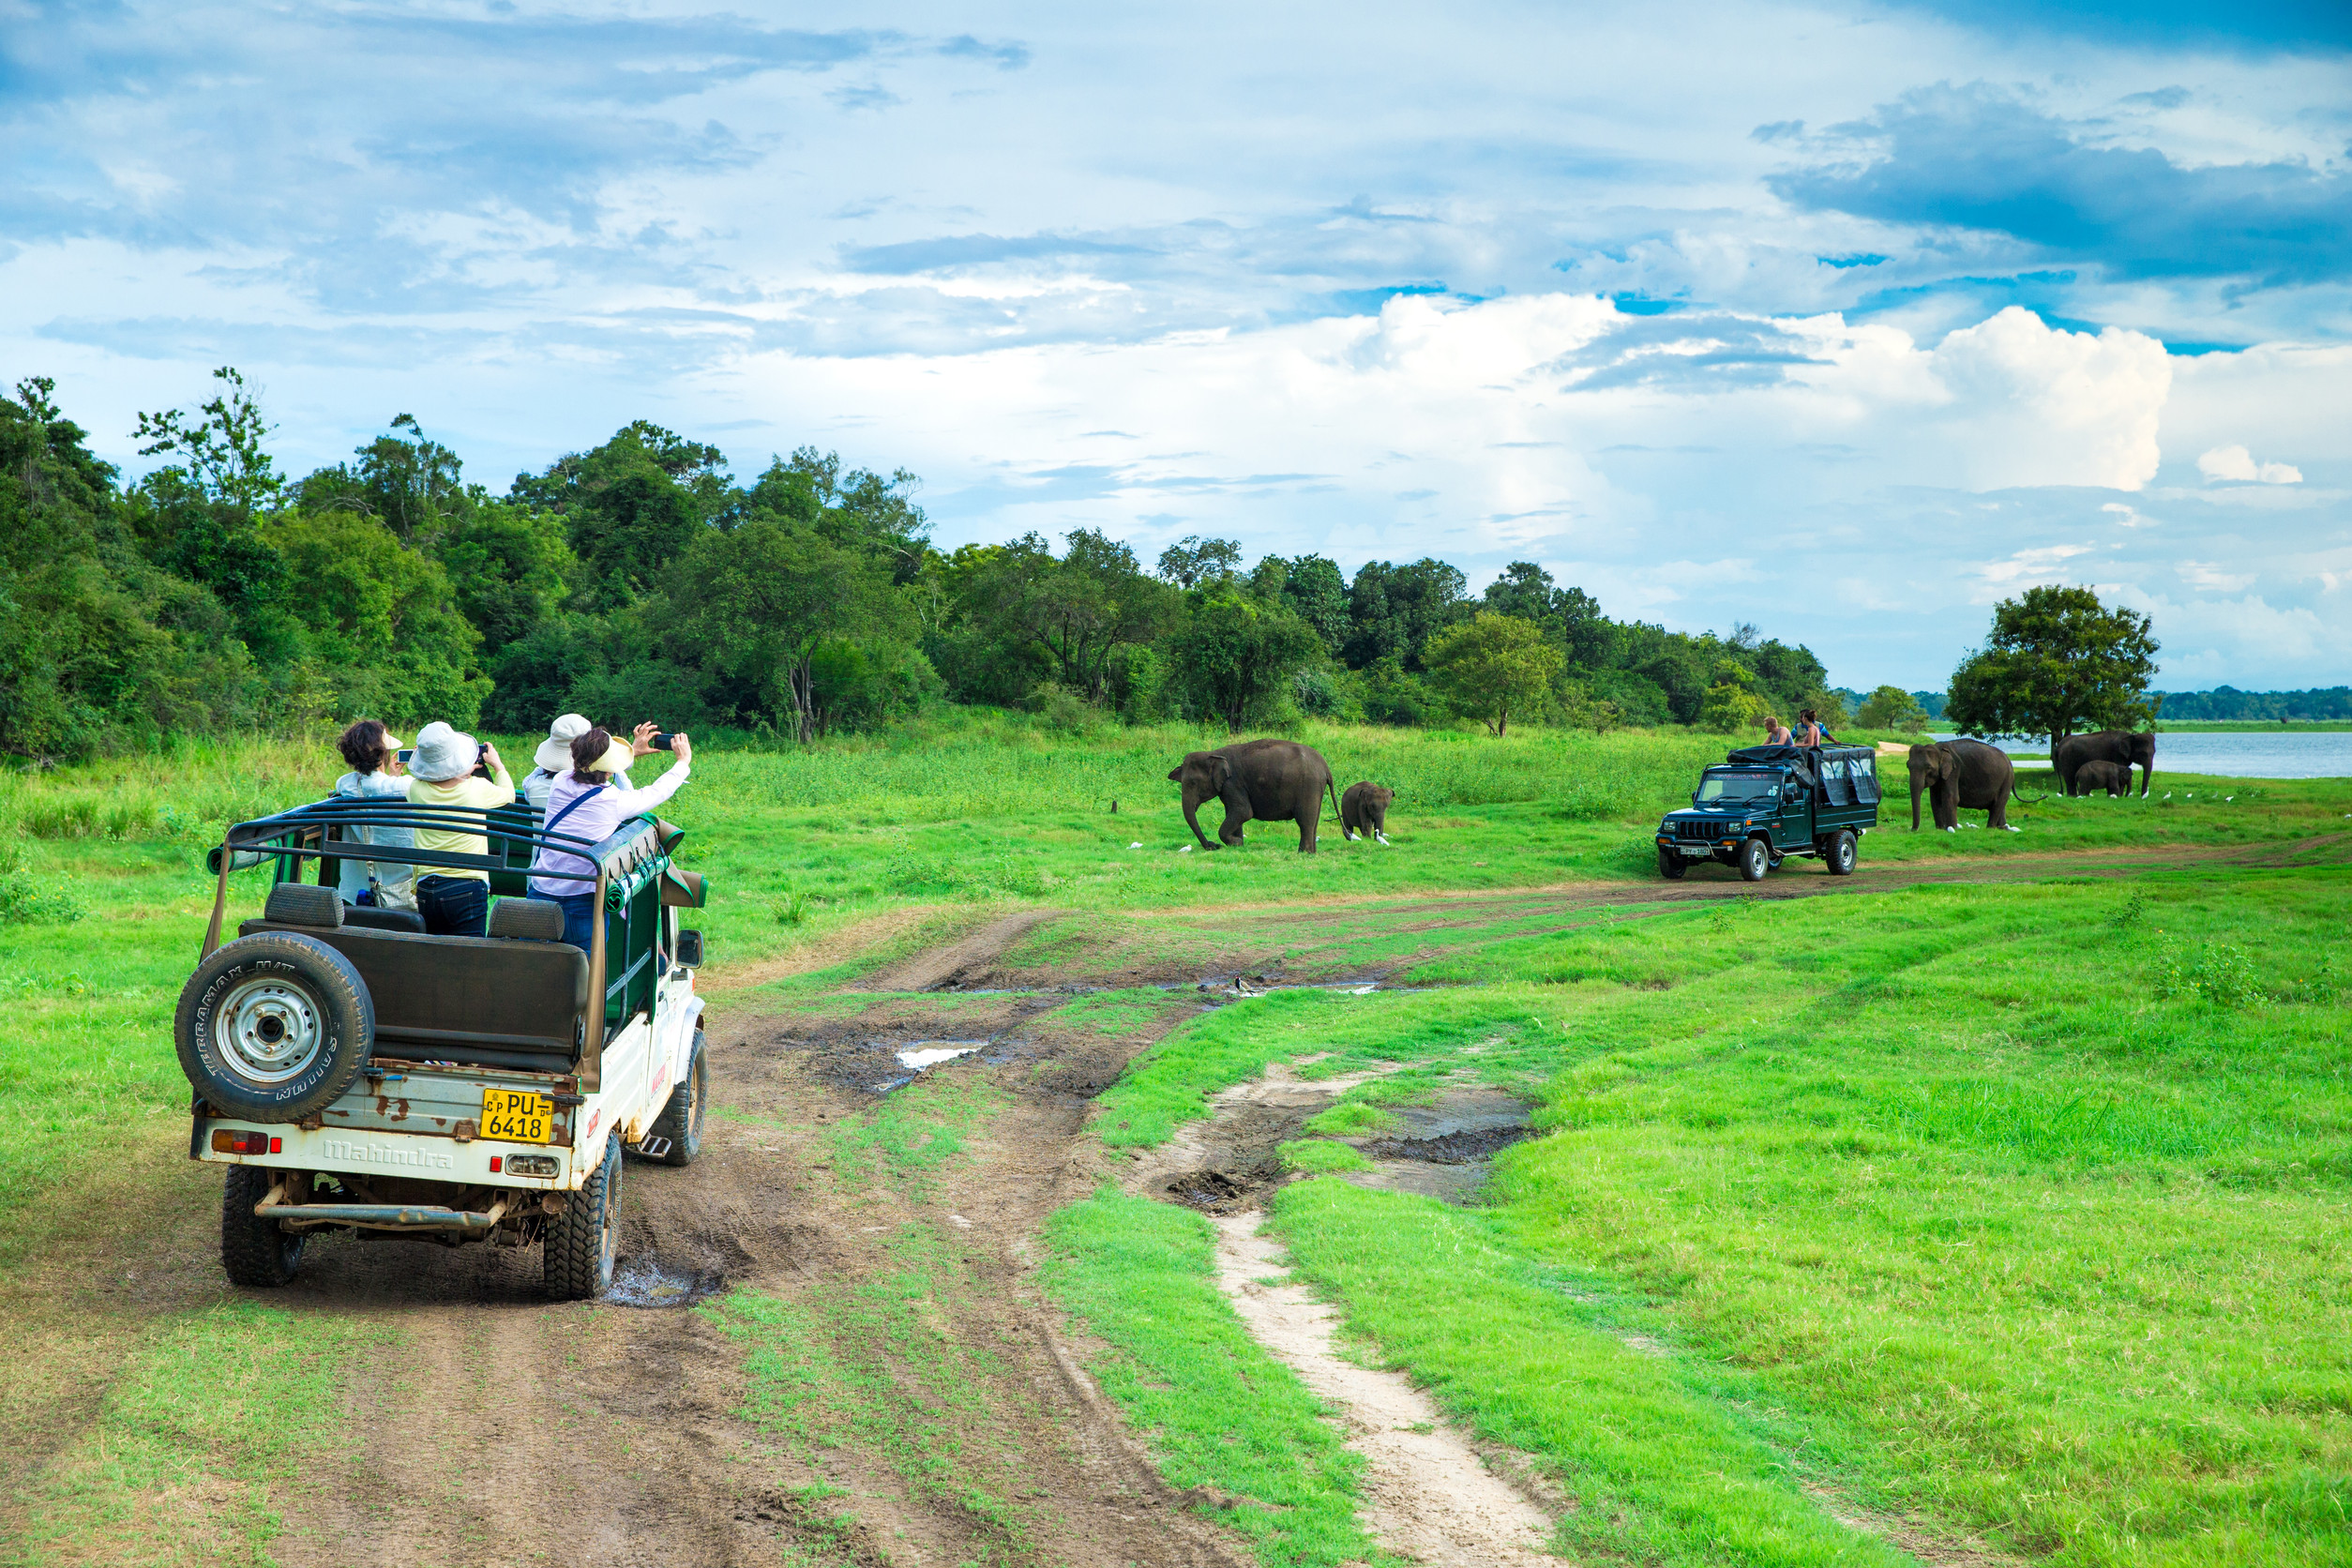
x,y
2018,1212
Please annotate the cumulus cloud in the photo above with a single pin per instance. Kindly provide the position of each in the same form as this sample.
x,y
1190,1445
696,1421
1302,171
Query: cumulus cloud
x,y
2236,462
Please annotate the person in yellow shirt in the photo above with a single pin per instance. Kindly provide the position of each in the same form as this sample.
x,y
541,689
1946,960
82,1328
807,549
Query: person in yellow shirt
x,y
449,769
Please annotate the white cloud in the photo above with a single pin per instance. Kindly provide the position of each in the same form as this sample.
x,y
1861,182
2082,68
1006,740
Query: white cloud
x,y
2206,575
2236,462
2045,406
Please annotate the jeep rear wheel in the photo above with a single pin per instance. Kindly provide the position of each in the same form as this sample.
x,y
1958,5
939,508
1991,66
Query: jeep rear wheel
x,y
1841,853
274,1027
1754,858
258,1254
582,1241
1670,864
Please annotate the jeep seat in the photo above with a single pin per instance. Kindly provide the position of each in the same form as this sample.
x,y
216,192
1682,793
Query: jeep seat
x,y
485,1001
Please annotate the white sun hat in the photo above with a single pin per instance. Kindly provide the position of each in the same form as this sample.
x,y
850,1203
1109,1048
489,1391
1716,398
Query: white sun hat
x,y
555,752
442,754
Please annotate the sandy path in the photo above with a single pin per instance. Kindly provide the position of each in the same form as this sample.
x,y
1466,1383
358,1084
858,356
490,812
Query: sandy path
x,y
1427,1495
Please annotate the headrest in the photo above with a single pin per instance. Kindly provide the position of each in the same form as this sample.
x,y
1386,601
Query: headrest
x,y
302,904
526,920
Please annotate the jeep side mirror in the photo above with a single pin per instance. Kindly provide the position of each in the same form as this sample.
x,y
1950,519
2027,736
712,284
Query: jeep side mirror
x,y
690,949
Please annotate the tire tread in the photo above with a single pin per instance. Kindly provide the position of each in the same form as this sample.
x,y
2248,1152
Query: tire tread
x,y
254,1253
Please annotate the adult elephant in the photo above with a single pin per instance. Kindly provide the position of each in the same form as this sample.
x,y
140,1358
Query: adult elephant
x,y
2106,746
1257,780
1960,775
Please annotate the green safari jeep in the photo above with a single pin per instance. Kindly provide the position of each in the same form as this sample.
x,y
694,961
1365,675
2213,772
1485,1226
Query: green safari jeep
x,y
1767,802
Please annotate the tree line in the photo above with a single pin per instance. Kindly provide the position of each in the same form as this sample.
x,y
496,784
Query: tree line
x,y
640,577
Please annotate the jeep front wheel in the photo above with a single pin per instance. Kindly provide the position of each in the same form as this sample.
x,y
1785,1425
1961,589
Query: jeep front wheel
x,y
1755,859
681,1119
1670,864
1841,853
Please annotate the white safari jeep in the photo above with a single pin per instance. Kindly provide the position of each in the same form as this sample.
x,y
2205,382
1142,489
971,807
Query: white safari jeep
x,y
355,1072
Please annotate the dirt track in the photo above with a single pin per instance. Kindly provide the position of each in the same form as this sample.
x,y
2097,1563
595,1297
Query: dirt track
x,y
626,1426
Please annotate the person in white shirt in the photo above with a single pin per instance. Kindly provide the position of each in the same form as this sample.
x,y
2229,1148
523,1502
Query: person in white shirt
x,y
554,758
374,755
588,804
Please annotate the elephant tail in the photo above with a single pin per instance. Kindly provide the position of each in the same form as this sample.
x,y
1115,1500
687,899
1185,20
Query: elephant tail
x,y
1331,788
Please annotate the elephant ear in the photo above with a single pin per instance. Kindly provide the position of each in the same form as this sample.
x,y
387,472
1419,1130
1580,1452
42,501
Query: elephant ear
x,y
1220,771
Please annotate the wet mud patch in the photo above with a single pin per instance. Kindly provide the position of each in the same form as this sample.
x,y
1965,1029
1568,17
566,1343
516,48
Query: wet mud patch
x,y
1229,1164
646,1284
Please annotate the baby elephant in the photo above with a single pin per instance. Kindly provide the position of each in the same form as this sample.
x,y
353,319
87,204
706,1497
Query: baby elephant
x,y
2113,777
1364,811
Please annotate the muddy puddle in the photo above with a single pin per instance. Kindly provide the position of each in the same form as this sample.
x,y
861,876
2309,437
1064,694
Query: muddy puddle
x,y
646,1284
1231,1163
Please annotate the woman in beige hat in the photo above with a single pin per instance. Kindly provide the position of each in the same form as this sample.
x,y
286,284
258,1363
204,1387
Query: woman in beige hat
x,y
553,760
441,771
588,803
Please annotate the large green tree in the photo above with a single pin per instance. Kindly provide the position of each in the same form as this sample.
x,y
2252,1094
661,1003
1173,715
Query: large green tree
x,y
1236,653
632,506
763,603
1393,612
2058,662
1493,666
96,641
1075,611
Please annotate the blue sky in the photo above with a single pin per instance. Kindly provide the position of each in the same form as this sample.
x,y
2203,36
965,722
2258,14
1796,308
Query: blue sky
x,y
1842,320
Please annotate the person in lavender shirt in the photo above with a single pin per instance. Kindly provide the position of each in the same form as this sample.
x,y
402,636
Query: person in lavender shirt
x,y
588,803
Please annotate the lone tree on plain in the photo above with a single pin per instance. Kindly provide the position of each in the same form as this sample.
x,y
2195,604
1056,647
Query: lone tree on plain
x,y
1890,707
1493,665
2057,662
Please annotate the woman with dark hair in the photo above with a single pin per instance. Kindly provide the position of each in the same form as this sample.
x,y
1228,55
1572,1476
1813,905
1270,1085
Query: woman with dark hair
x,y
1808,728
374,755
588,804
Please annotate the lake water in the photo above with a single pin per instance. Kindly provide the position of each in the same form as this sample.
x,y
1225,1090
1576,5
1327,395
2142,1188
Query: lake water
x,y
2229,754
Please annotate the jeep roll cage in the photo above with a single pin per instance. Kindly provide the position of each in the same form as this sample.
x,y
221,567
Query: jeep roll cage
x,y
632,879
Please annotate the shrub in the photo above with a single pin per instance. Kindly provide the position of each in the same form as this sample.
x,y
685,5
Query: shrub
x,y
2223,975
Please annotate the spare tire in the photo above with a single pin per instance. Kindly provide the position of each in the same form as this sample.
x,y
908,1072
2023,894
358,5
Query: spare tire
x,y
274,1027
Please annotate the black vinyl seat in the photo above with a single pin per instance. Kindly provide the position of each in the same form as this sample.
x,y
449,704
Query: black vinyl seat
x,y
382,920
487,1001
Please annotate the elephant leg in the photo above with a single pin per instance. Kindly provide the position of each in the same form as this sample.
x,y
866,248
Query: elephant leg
x,y
1309,822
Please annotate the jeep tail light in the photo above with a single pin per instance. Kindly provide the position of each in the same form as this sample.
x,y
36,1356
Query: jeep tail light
x,y
496,1160
531,1165
277,1145
226,1141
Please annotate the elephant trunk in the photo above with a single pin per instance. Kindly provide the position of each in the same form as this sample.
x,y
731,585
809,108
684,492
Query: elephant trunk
x,y
2147,776
1192,815
1915,803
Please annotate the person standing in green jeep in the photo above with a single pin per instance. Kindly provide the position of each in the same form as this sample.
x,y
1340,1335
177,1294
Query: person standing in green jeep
x,y
449,768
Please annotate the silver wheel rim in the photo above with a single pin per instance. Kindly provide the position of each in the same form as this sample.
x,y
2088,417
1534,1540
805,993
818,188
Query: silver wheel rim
x,y
268,1030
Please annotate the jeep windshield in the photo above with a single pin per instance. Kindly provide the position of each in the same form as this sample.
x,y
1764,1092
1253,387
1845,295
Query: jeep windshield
x,y
1737,787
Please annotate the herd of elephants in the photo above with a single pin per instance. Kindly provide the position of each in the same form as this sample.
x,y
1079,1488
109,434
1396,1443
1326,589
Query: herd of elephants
x,y
1280,782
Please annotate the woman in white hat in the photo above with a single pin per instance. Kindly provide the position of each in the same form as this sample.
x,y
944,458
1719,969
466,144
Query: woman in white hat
x,y
588,803
441,771
553,760
374,755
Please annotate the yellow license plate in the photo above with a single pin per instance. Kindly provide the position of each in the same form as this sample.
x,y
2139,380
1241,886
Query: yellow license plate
x,y
516,1116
